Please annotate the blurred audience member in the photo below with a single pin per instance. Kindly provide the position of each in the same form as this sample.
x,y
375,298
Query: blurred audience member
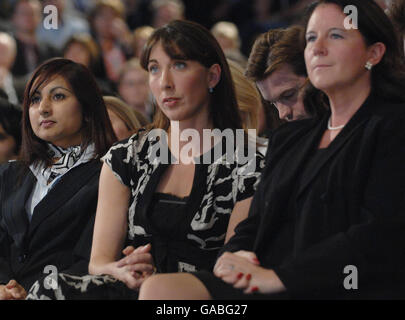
x,y
139,38
112,35
164,11
10,131
82,48
26,17
67,25
124,119
133,87
227,34
8,51
247,96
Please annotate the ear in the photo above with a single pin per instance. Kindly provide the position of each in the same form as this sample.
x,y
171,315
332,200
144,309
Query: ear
x,y
376,52
214,75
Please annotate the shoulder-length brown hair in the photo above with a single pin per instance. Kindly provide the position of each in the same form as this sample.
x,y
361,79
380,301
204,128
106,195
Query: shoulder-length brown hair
x,y
96,124
187,40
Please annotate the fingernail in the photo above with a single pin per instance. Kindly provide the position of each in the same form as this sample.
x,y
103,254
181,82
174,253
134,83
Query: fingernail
x,y
256,260
254,289
240,275
248,276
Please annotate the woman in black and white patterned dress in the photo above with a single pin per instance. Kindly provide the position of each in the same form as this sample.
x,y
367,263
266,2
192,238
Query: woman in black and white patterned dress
x,y
172,193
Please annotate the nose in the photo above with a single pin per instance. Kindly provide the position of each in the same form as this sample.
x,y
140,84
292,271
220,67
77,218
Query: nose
x,y
45,106
284,112
319,47
166,80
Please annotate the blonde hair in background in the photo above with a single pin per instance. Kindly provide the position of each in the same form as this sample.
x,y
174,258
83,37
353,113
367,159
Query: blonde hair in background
x,y
228,30
11,44
247,96
132,118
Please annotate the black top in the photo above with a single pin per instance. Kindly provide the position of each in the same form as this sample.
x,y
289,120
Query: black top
x,y
194,243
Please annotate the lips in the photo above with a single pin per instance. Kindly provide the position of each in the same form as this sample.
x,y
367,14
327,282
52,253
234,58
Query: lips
x,y
47,123
321,66
170,101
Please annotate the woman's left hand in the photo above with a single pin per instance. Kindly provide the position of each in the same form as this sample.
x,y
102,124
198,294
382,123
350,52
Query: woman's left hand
x,y
242,273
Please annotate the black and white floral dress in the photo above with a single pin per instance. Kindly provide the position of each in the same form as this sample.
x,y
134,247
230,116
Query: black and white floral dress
x,y
186,235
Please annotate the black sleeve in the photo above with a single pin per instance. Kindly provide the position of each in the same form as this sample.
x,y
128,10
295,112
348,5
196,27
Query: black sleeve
x,y
5,270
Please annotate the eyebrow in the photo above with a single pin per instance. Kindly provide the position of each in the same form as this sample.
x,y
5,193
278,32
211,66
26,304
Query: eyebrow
x,y
329,30
53,89
152,60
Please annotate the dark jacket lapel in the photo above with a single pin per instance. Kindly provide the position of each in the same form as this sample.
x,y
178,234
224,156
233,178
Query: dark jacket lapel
x,y
64,190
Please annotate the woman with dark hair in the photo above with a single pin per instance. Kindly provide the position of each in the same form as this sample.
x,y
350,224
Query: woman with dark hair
x,y
49,197
173,202
328,218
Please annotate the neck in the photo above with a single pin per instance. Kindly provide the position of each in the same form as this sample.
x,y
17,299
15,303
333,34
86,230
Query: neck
x,y
345,103
177,128
26,36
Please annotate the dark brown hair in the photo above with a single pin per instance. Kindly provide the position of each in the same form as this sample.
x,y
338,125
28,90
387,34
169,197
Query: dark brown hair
x,y
275,48
279,47
187,40
388,76
96,124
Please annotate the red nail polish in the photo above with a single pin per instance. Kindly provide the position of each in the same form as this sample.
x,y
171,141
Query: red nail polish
x,y
254,289
256,260
240,275
248,276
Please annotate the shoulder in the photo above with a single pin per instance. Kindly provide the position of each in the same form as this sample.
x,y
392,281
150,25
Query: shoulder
x,y
11,166
292,132
388,111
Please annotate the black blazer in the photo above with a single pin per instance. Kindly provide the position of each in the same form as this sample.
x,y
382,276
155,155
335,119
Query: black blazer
x,y
60,231
362,220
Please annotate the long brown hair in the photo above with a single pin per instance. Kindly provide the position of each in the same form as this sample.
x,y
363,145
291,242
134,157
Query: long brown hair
x,y
191,41
96,124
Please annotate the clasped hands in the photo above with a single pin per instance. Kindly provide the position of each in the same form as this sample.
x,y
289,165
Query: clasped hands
x,y
242,269
12,291
136,266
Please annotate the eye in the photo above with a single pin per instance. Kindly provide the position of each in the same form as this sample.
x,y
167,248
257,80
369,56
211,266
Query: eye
x,y
153,69
35,99
58,96
310,38
336,36
180,65
289,94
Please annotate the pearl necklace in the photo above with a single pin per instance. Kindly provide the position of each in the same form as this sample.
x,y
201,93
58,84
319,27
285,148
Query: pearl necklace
x,y
334,128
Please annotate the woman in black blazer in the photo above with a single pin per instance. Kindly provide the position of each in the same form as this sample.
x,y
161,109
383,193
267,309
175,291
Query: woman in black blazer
x,y
328,219
48,198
